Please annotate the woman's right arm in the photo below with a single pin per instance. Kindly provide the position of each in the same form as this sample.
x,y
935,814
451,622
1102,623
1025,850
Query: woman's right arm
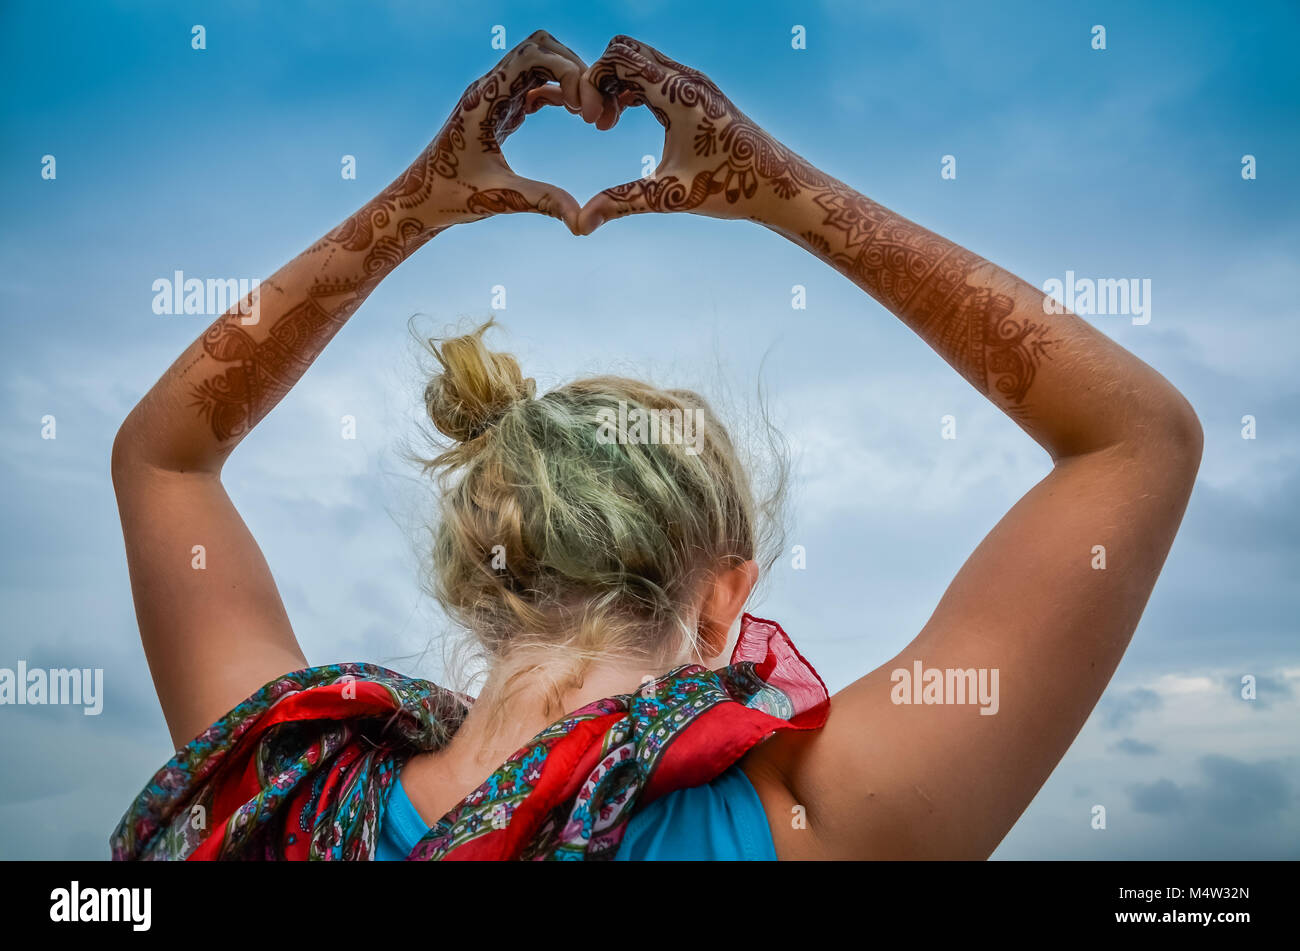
x,y
886,779
211,619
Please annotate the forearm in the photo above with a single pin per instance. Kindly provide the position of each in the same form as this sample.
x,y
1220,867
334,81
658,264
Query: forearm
x,y
1069,386
228,379
244,364
1073,389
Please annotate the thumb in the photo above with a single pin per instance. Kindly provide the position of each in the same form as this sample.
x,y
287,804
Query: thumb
x,y
653,194
519,194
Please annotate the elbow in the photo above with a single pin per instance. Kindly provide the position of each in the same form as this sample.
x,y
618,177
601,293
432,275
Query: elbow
x,y
144,445
1185,432
1157,429
130,455
125,456
1173,430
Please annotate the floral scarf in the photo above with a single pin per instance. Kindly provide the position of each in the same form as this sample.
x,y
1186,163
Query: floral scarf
x,y
304,767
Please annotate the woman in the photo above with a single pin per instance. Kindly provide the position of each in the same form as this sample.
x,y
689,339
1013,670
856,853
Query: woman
x,y
604,573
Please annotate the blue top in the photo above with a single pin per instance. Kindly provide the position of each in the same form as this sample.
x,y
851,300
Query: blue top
x,y
719,821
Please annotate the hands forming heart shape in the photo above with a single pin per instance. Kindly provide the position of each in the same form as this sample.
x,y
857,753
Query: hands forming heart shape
x,y
714,157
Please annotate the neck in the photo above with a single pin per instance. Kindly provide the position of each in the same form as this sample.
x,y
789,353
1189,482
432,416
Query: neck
x,y
497,724
438,781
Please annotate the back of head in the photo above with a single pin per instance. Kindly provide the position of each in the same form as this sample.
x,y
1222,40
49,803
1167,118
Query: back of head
x,y
578,525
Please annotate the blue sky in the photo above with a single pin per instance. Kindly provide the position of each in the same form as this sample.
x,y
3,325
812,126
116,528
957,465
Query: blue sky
x,y
1122,163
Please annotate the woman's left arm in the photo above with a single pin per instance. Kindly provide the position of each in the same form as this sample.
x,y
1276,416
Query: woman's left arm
x,y
215,634
1032,620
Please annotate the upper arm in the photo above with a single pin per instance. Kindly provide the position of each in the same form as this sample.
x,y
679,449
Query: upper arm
x,y
893,780
213,625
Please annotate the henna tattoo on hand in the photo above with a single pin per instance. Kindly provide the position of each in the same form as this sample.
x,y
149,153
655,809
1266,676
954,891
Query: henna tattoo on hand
x,y
495,201
498,98
735,154
454,179
739,170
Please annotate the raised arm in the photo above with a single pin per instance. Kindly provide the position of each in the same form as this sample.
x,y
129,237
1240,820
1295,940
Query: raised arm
x,y
214,634
885,779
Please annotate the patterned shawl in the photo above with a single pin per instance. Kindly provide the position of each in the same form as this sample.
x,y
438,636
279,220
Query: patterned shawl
x,y
304,767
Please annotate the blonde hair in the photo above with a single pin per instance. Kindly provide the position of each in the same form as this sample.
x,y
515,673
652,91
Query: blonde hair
x,y
560,542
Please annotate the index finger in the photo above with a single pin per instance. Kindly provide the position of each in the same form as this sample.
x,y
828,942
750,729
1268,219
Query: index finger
x,y
589,103
625,75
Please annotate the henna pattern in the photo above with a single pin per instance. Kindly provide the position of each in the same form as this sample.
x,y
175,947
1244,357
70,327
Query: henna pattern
x,y
505,111
258,368
263,371
494,201
501,101
918,275
668,193
747,155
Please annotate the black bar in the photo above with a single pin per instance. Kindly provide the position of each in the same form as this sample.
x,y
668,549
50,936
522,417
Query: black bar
x,y
652,902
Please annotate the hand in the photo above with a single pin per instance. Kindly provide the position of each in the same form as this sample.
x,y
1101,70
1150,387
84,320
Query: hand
x,y
472,178
716,161
462,176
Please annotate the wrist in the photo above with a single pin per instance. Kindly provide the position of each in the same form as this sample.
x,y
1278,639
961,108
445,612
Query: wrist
x,y
790,216
793,183
425,194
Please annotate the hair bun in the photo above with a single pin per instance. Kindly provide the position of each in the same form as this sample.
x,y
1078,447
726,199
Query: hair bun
x,y
475,388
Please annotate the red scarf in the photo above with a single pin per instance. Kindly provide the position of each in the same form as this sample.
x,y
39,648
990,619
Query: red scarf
x,y
304,767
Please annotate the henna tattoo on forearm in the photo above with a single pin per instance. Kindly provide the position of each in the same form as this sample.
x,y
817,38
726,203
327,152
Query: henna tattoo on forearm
x,y
739,170
931,282
257,366
259,372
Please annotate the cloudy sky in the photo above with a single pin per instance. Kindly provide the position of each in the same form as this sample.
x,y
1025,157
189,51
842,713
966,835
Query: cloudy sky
x,y
1122,163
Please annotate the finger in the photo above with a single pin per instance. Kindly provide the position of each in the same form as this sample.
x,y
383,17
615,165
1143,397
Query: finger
x,y
537,69
548,42
612,109
599,107
592,103
624,74
627,42
586,101
544,39
565,73
589,102
548,95
611,203
609,114
545,51
646,52
653,194
517,195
